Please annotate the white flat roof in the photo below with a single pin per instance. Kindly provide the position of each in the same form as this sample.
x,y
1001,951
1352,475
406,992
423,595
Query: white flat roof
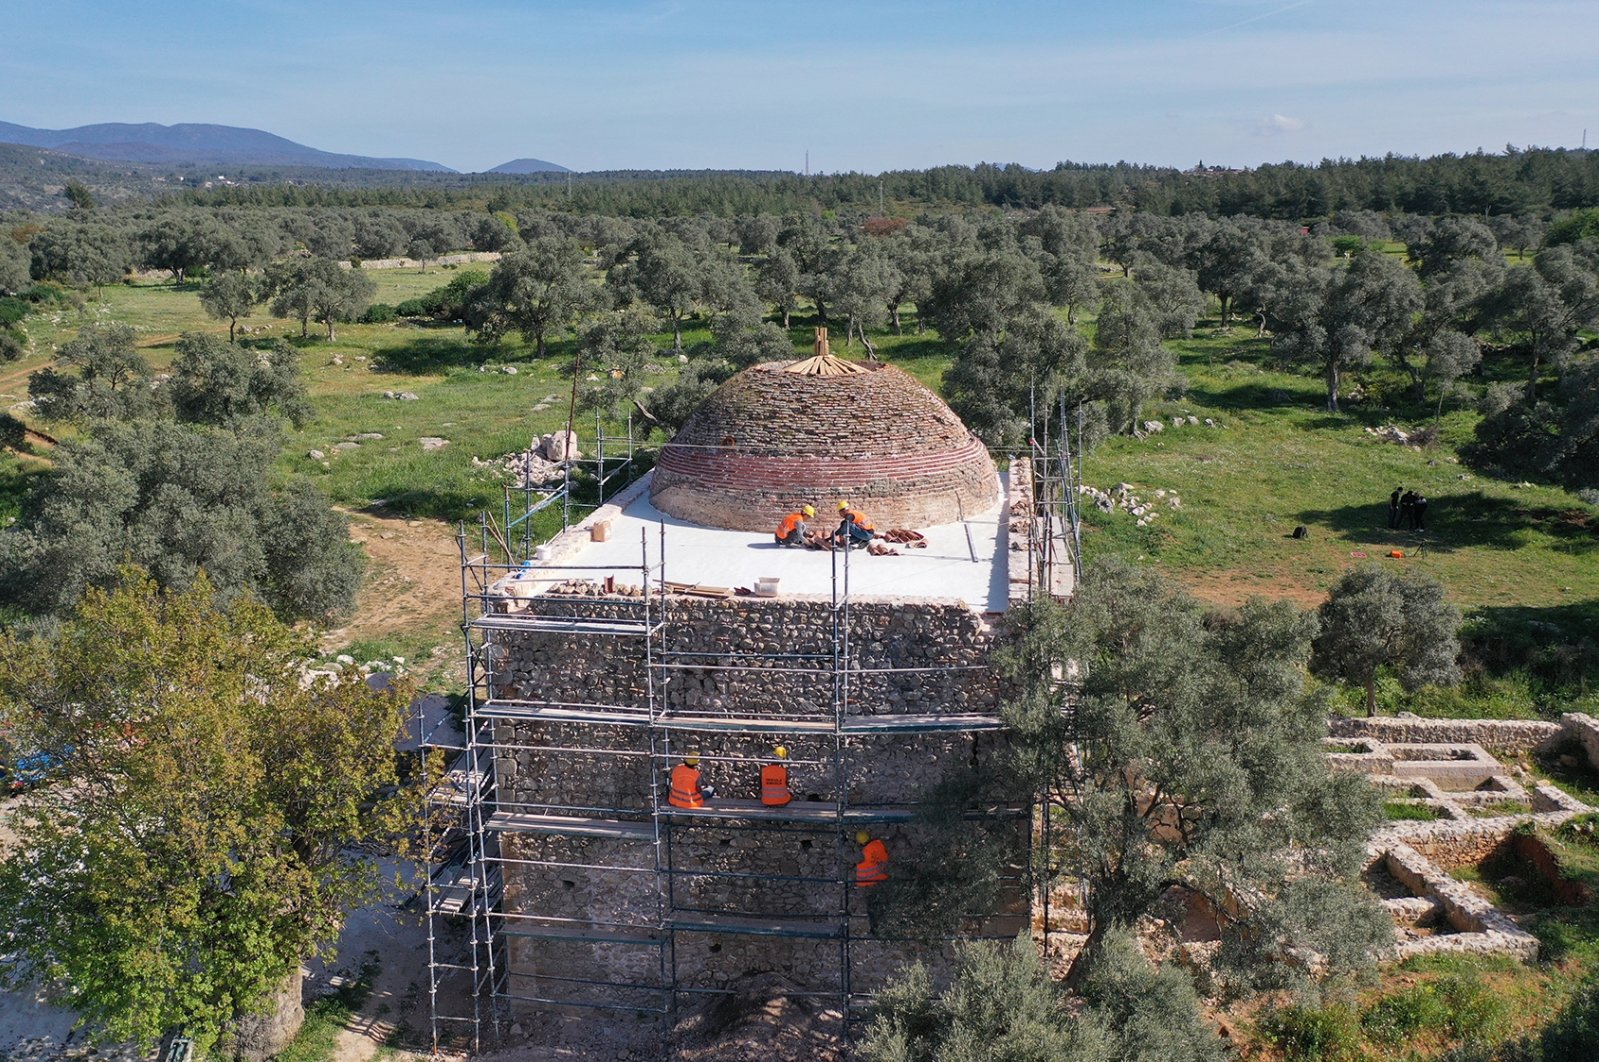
x,y
967,560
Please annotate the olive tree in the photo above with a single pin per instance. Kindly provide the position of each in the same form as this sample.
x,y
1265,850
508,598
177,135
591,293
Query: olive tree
x,y
1181,754
1374,619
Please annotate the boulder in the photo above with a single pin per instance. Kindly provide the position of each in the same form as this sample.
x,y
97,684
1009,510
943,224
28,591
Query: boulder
x,y
559,446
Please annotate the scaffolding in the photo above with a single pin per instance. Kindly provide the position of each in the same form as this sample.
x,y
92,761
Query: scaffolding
x,y
473,820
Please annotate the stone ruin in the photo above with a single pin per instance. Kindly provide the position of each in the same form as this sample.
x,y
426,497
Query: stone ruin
x,y
1481,806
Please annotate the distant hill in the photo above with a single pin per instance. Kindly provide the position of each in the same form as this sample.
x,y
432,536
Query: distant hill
x,y
192,143
528,166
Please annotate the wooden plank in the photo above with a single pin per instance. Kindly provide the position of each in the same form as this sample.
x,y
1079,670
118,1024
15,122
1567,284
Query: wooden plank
x,y
619,829
755,926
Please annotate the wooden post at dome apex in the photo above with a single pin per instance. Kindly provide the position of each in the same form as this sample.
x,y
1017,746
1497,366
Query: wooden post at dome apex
x,y
822,350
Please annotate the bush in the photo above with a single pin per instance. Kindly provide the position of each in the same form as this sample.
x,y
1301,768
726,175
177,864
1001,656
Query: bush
x,y
13,433
13,309
11,345
414,308
1314,1034
379,313
1394,1019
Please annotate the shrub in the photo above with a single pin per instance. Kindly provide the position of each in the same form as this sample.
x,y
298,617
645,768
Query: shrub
x,y
1314,1034
379,313
1394,1019
13,309
13,433
414,308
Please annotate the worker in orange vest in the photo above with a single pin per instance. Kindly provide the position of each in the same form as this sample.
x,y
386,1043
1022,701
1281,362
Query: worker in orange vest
x,y
774,781
873,867
853,527
791,532
686,789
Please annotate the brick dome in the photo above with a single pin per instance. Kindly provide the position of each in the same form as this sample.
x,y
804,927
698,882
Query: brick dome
x,y
823,431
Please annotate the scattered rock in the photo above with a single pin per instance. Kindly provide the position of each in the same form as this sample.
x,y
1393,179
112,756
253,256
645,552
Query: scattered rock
x,y
1210,422
431,443
367,436
337,360
316,455
401,396
345,447
1153,426
682,359
510,370
559,446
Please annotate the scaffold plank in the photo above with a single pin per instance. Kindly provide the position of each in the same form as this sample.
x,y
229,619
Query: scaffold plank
x,y
518,822
532,621
536,711
748,925
810,811
748,724
640,935
894,723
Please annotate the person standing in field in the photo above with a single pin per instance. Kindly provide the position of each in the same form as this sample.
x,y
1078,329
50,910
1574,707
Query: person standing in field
x,y
1393,507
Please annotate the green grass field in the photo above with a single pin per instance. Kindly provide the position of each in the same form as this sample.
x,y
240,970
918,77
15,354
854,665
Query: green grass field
x,y
1518,557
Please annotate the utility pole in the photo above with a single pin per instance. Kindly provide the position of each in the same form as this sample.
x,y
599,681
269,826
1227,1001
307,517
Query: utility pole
x,y
807,162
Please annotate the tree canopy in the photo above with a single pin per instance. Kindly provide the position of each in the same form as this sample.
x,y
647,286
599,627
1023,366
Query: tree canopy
x,y
1182,755
196,846
1375,619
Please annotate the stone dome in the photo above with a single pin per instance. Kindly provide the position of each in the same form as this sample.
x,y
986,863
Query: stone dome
x,y
822,431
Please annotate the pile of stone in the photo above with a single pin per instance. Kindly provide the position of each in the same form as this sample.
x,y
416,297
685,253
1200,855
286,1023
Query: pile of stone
x,y
541,464
1393,434
1122,497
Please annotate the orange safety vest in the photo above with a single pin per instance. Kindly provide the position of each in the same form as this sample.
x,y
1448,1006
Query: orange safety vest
x,y
858,518
789,524
774,785
686,788
873,867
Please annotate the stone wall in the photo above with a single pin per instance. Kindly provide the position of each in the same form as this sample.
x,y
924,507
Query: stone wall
x,y
884,633
796,871
1500,735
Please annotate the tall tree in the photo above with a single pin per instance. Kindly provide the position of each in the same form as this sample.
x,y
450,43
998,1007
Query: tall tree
x,y
540,291
99,375
999,375
230,297
1370,305
1128,364
1183,755
1375,619
1545,307
221,383
199,843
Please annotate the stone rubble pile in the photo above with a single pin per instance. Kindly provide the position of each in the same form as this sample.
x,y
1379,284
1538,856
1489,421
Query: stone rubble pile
x,y
1122,497
537,466
1392,433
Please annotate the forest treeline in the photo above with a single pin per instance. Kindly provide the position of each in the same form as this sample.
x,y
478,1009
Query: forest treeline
x,y
1514,181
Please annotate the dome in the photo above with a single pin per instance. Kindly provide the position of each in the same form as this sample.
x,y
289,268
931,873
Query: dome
x,y
823,430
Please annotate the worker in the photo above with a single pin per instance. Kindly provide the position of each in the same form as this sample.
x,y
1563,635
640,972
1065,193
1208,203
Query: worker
x,y
873,867
791,532
774,781
686,789
853,527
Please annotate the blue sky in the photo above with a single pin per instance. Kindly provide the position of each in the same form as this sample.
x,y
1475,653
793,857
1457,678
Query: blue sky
x,y
862,85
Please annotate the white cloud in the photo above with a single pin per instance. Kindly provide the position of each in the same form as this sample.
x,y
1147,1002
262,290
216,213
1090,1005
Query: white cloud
x,y
1277,124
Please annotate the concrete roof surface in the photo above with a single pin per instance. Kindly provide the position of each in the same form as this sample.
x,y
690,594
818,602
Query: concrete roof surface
x,y
944,570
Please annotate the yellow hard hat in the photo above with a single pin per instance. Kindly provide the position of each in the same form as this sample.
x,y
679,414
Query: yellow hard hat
x,y
781,752
861,837
843,505
807,510
691,759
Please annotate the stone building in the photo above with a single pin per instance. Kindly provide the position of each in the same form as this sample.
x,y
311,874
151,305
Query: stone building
x,y
628,643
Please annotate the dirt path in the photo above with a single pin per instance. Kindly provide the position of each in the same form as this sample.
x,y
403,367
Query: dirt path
x,y
413,584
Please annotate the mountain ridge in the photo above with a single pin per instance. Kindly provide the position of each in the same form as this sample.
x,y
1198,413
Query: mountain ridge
x,y
195,143
528,165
